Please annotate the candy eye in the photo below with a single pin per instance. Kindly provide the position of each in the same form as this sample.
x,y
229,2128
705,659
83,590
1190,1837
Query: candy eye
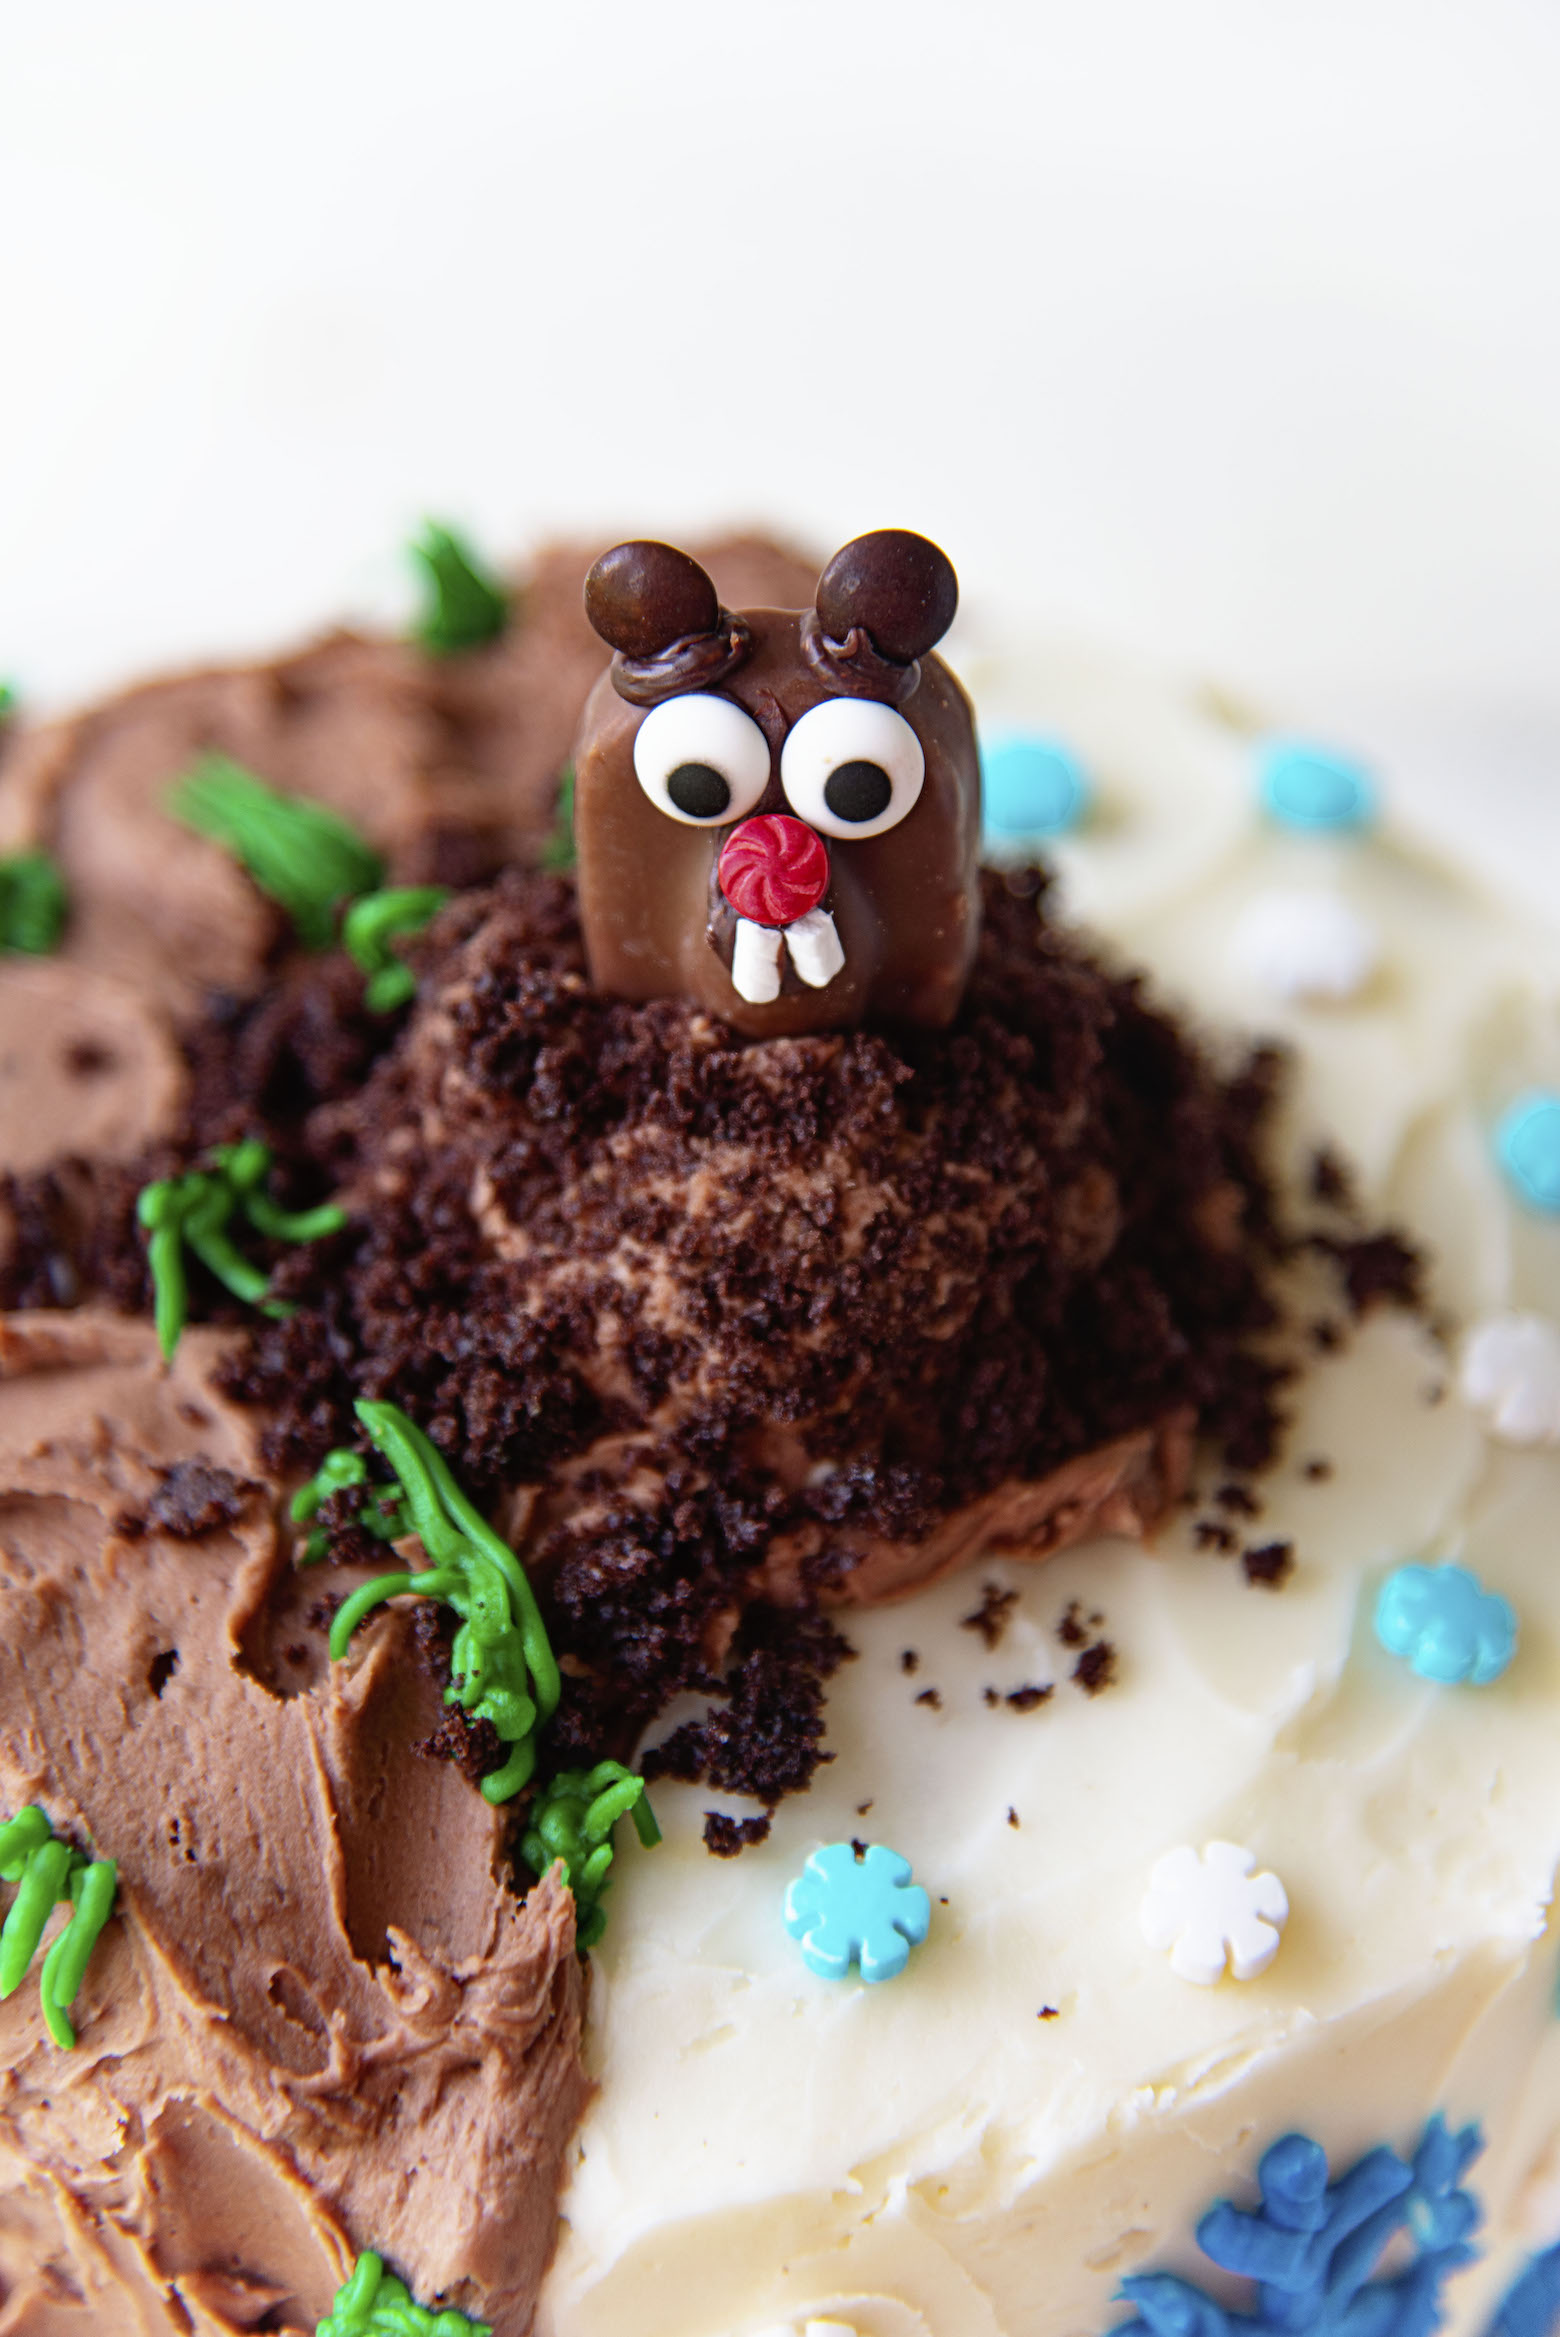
x,y
852,767
701,760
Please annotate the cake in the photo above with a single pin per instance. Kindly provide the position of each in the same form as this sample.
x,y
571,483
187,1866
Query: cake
x,y
779,1301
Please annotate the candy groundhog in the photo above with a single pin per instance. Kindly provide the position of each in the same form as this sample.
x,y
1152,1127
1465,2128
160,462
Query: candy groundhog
x,y
778,815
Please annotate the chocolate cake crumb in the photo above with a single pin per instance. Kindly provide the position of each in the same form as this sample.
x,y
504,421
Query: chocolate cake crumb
x,y
1271,1563
932,1697
859,1847
1377,1269
195,1498
475,1746
1210,1533
1330,1181
990,1696
766,1740
1048,2012
1096,1667
1012,1817
909,1661
727,1837
1326,1337
1070,1630
1239,1500
862,1808
1109,1258
1027,1699
1318,1471
992,1616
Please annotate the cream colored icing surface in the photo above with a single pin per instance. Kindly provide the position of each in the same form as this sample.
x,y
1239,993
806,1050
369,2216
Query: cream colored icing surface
x,y
772,2154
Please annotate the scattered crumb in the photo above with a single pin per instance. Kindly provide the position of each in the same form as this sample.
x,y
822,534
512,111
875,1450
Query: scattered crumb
x,y
1048,2012
909,1661
862,1808
1380,1267
931,1696
725,1837
1096,1667
1210,1533
1026,1699
1318,1471
1239,1500
1326,1337
992,1616
195,1498
859,1847
1271,1563
1330,1181
1070,1630
1013,1818
991,1696
942,1902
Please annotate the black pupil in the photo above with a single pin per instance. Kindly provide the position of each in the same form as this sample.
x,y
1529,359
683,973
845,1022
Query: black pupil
x,y
858,791
698,790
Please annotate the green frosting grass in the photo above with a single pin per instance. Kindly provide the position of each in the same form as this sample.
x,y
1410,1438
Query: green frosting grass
x,y
48,1873
304,857
373,2303
33,903
196,1212
464,603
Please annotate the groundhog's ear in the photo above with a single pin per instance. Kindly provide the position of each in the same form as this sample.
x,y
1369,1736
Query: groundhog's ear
x,y
642,597
898,588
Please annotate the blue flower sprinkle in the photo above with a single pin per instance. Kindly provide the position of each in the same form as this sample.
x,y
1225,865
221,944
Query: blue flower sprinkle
x,y
1445,1624
866,1911
1527,1145
1031,785
1314,2248
1305,786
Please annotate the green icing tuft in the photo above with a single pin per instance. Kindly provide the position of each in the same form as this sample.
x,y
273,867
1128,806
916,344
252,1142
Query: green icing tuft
x,y
571,1822
304,857
558,852
49,1874
373,2303
464,605
33,903
195,1211
366,933
502,1665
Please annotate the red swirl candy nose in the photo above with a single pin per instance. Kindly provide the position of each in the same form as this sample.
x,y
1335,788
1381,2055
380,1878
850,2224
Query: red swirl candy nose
x,y
773,870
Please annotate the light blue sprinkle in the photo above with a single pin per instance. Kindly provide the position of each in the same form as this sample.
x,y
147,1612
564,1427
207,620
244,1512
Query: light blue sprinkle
x,y
1445,1624
1306,786
1527,1145
866,1911
1031,785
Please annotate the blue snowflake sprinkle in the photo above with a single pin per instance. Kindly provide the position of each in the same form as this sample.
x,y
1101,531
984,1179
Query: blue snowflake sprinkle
x,y
866,1911
1031,786
1313,2247
1527,1145
1305,786
1445,1624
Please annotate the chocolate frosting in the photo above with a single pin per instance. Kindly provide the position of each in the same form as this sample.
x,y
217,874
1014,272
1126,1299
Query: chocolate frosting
x,y
319,2020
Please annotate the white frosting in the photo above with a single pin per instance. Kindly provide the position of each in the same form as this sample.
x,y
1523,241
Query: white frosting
x,y
931,2158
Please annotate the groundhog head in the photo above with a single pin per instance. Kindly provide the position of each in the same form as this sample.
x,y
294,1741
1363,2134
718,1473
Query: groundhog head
x,y
777,815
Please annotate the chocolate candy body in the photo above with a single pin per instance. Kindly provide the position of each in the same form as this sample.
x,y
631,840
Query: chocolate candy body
x,y
905,903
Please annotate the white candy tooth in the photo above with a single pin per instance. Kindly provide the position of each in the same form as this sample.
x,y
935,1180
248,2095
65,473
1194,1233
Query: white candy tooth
x,y
755,962
815,947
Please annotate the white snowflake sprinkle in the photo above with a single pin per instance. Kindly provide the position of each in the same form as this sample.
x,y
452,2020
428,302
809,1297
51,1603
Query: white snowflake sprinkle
x,y
1511,1370
1302,945
1213,1910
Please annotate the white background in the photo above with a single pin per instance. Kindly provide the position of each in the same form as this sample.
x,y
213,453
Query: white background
x,y
1225,329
